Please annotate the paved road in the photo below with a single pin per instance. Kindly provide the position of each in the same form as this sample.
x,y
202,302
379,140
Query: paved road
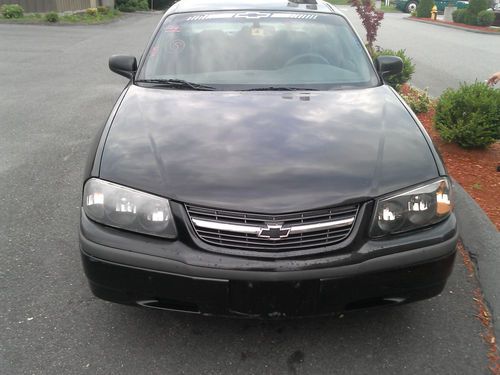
x,y
55,91
444,57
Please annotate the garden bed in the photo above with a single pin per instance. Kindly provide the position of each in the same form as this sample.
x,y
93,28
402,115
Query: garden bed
x,y
474,169
482,29
77,18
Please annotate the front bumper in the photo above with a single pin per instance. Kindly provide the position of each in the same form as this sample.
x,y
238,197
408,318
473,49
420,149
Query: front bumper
x,y
182,277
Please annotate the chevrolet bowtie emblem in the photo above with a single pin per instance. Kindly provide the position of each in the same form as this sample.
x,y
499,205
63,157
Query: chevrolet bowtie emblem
x,y
274,232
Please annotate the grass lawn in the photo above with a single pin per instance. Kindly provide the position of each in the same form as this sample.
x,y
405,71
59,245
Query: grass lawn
x,y
386,9
88,19
75,18
338,2
389,9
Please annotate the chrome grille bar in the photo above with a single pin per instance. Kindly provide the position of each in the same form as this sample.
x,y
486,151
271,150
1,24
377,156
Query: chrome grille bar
x,y
251,229
245,229
233,231
326,225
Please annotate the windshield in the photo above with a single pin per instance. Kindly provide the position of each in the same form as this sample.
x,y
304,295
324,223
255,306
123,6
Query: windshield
x,y
254,50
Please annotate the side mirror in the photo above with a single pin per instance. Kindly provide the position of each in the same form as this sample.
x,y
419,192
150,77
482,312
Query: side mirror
x,y
388,65
123,65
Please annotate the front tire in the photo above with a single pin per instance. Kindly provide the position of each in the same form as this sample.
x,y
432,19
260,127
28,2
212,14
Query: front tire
x,y
411,6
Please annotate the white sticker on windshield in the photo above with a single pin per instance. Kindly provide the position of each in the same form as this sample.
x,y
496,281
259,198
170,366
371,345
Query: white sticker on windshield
x,y
253,16
295,15
211,16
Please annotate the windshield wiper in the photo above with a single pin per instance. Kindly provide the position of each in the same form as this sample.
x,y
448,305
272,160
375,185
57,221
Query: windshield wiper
x,y
285,88
176,83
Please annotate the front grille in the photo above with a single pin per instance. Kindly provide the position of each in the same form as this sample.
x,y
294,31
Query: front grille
x,y
247,231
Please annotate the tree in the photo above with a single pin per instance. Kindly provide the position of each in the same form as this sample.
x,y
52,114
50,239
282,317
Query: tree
x,y
424,8
476,6
371,19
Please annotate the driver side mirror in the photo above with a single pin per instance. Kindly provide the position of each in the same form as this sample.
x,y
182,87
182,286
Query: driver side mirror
x,y
388,65
123,65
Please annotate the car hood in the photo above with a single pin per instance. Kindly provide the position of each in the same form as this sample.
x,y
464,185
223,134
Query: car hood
x,y
269,152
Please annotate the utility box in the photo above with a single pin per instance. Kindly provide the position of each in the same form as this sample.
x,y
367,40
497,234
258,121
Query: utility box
x,y
497,18
448,12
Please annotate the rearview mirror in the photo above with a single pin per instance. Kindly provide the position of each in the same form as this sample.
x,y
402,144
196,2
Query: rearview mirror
x,y
388,65
123,65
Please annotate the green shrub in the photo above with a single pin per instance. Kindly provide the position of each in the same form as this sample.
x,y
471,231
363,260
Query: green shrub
x,y
485,18
475,14
459,15
424,8
408,67
103,10
12,11
132,5
418,100
142,5
91,12
469,18
52,17
469,116
476,6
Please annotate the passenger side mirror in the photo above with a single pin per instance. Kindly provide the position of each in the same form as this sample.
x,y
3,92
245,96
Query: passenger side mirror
x,y
123,65
388,65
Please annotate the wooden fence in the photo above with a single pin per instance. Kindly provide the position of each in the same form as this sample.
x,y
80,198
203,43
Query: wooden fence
x,y
56,5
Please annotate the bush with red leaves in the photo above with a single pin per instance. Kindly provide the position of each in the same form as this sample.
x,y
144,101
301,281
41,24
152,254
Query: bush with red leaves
x,y
370,17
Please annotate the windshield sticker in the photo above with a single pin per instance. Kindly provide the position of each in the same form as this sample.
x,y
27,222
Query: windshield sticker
x,y
211,17
295,15
257,31
173,29
154,51
177,46
253,16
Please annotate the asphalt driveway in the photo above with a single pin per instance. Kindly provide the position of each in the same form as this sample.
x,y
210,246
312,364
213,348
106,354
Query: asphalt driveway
x,y
444,57
55,92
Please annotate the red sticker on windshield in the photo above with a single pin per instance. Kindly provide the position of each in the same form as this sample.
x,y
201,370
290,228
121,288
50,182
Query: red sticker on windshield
x,y
173,29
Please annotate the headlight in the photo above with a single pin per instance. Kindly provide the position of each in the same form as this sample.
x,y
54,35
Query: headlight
x,y
129,209
412,209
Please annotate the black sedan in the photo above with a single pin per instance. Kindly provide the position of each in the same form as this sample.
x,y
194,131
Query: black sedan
x,y
257,165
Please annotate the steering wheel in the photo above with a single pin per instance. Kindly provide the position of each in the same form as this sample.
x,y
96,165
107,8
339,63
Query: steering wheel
x,y
317,56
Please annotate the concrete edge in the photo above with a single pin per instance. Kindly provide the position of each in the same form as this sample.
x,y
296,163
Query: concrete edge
x,y
482,240
452,26
60,24
156,11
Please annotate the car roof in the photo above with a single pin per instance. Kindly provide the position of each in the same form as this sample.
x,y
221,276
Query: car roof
x,y
253,5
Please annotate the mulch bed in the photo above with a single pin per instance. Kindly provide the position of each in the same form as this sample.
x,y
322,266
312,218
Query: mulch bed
x,y
474,169
461,25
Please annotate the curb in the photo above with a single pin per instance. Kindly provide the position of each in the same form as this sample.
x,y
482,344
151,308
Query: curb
x,y
452,26
482,240
156,11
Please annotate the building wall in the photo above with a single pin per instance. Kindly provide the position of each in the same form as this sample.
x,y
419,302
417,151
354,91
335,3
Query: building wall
x,y
64,5
57,5
108,3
